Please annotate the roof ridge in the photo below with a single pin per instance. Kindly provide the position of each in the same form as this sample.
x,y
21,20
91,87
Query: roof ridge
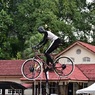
x,y
84,44
88,46
82,71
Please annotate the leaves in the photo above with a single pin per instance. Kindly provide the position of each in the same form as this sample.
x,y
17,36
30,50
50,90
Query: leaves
x,y
19,19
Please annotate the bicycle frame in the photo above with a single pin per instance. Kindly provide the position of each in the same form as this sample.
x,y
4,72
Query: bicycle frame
x,y
34,65
37,56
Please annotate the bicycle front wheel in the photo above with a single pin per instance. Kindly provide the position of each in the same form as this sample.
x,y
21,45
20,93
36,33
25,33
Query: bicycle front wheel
x,y
64,66
31,69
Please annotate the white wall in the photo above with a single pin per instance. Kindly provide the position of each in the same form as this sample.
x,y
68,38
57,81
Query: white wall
x,y
28,92
78,58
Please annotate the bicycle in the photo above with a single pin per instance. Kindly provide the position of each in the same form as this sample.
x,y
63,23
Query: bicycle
x,y
31,68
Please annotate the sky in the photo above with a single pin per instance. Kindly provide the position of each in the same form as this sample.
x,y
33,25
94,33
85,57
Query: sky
x,y
89,1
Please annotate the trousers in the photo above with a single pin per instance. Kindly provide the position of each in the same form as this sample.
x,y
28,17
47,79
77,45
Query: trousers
x,y
54,45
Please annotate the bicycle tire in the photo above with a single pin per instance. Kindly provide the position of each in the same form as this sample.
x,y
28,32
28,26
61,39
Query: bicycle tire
x,y
31,69
64,66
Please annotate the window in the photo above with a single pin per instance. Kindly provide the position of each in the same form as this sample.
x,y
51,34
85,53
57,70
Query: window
x,y
85,85
78,51
86,59
71,59
53,88
14,91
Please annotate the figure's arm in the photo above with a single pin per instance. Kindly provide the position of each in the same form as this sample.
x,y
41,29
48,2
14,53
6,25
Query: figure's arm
x,y
43,41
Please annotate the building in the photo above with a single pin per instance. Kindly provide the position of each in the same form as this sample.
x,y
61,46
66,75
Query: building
x,y
12,81
80,52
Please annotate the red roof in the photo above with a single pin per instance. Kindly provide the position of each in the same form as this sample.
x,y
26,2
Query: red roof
x,y
10,67
88,70
88,46
26,85
77,75
82,44
81,72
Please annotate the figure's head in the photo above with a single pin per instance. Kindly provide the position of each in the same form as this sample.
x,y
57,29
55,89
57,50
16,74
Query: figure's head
x,y
41,29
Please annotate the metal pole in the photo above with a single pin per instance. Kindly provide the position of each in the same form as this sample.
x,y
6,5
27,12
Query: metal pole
x,y
47,84
41,85
47,88
34,87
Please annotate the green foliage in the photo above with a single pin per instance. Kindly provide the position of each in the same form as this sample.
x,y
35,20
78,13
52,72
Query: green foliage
x,y
5,23
29,43
19,19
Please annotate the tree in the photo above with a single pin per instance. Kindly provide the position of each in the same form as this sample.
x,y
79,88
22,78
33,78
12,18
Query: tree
x,y
71,20
68,19
5,23
8,37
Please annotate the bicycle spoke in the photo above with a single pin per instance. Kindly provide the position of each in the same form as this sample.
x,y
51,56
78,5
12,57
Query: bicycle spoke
x,y
31,69
63,66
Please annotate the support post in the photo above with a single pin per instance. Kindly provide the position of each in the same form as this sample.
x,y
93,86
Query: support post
x,y
47,84
3,91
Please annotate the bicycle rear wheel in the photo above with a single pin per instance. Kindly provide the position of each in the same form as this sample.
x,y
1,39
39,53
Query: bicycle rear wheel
x,y
31,69
64,66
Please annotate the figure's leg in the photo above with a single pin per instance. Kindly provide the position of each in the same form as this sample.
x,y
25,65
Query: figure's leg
x,y
48,58
51,48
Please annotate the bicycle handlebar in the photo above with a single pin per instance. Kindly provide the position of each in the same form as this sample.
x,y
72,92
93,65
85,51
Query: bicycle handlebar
x,y
37,51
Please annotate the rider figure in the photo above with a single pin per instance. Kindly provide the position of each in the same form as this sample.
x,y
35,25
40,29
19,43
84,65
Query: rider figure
x,y
55,41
